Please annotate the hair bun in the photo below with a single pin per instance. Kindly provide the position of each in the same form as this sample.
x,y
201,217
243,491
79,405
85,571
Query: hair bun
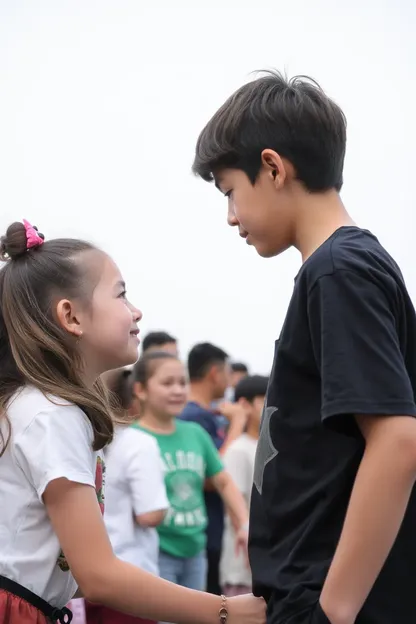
x,y
14,243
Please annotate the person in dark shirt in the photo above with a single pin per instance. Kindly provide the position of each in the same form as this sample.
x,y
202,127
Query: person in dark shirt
x,y
333,507
208,371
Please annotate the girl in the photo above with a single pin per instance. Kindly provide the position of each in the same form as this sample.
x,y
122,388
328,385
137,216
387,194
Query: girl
x,y
135,501
190,457
65,320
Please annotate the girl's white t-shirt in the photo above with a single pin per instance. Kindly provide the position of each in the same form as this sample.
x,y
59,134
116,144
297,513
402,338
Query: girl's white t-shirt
x,y
134,486
50,439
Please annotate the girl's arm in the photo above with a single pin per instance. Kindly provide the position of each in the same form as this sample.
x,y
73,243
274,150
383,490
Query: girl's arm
x,y
144,474
151,518
76,518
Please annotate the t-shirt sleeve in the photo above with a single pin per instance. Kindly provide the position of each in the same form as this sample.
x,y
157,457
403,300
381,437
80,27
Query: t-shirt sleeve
x,y
212,459
145,475
235,463
353,325
56,444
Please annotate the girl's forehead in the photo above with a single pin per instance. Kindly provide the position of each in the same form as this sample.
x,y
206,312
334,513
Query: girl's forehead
x,y
170,366
110,274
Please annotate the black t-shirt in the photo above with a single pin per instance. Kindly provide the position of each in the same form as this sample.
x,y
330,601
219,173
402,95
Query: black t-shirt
x,y
348,346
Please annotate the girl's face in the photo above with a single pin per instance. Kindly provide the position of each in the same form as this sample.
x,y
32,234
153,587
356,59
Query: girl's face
x,y
166,391
107,327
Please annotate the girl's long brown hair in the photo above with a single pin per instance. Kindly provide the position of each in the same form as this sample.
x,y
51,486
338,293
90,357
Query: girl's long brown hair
x,y
34,349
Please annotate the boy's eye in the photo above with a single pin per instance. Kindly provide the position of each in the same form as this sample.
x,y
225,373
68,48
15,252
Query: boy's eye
x,y
227,194
123,294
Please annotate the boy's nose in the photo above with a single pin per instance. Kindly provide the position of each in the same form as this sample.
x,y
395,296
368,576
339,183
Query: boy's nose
x,y
231,218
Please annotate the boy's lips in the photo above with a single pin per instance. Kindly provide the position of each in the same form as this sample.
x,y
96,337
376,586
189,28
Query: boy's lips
x,y
245,235
135,334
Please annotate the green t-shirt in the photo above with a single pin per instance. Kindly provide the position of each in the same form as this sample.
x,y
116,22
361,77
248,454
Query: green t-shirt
x,y
189,457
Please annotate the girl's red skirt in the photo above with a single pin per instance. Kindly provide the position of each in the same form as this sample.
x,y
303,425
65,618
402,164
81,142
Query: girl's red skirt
x,y
15,610
19,605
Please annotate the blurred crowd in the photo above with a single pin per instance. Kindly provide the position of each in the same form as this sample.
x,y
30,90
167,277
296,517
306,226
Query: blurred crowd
x,y
180,468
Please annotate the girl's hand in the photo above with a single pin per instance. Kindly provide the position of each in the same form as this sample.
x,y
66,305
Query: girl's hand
x,y
246,610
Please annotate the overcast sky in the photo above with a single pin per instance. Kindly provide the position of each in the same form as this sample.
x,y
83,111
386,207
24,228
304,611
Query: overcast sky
x,y
101,103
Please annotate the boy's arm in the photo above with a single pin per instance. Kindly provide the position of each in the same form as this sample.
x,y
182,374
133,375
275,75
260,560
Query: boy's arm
x,y
377,506
354,322
226,488
235,463
236,505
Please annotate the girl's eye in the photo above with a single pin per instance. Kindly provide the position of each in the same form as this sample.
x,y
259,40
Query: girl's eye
x,y
228,194
123,295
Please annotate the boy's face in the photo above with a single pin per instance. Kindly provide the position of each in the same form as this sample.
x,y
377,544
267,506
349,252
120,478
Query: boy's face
x,y
254,410
257,409
263,211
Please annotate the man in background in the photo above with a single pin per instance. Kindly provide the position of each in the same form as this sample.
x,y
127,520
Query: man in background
x,y
209,373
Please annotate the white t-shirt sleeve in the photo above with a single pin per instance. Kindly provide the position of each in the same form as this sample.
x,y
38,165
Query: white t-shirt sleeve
x,y
235,463
145,475
56,444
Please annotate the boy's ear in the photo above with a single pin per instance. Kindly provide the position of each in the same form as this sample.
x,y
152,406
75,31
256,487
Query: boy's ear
x,y
277,168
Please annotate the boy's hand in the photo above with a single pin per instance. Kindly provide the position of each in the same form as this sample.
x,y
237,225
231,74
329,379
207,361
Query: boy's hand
x,y
241,544
233,412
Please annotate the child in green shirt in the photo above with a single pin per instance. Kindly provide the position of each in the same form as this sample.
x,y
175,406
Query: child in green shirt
x,y
190,458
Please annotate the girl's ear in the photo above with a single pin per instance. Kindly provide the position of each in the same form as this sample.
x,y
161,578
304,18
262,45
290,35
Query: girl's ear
x,y
139,391
69,318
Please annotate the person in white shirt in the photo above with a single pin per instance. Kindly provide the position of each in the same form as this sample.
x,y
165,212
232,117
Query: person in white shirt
x,y
239,459
135,497
64,321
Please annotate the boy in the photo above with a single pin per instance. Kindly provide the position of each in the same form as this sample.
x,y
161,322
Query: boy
x,y
333,508
239,458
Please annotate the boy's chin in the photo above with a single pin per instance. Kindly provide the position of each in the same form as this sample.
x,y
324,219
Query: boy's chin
x,y
269,251
266,253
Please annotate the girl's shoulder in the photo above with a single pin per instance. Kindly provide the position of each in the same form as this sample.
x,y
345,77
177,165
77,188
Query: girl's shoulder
x,y
30,404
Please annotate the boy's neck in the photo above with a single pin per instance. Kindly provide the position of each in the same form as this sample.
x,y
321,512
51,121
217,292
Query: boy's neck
x,y
201,394
253,430
318,217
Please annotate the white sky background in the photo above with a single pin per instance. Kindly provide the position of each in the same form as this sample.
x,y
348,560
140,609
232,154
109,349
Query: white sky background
x,y
101,103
